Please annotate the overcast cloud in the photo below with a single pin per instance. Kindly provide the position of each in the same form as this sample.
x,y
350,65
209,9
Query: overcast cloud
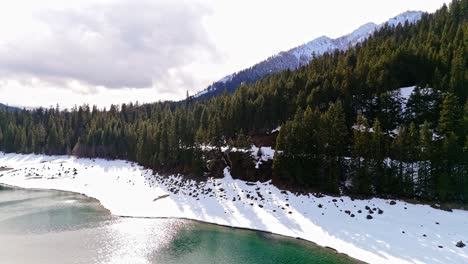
x,y
118,45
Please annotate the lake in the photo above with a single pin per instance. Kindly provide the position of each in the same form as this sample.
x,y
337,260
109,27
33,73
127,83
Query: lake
x,y
60,227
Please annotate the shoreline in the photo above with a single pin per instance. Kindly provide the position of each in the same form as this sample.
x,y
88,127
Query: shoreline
x,y
128,190
330,249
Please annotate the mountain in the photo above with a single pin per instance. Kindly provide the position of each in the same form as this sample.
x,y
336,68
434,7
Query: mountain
x,y
301,55
8,108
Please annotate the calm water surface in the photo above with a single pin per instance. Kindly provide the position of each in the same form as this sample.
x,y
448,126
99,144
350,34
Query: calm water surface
x,y
58,227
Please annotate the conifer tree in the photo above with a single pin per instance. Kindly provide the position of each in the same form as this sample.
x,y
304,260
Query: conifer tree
x,y
449,115
377,156
361,153
425,164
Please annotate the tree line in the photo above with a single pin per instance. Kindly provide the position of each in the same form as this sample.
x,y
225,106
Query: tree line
x,y
344,126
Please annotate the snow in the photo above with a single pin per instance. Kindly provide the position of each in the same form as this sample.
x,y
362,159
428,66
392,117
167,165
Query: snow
x,y
408,16
324,44
302,55
201,93
127,189
318,46
226,79
267,153
276,130
405,93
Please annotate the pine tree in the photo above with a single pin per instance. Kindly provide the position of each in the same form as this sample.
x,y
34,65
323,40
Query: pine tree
x,y
242,141
425,183
449,115
361,154
399,159
377,156
451,153
412,140
333,136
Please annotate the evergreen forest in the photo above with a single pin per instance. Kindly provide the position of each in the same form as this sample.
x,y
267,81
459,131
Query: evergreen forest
x,y
345,127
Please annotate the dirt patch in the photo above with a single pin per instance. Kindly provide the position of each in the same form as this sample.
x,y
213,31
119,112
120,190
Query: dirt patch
x,y
264,139
4,168
160,197
243,168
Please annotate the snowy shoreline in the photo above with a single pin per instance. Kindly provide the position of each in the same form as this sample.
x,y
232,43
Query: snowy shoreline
x,y
399,233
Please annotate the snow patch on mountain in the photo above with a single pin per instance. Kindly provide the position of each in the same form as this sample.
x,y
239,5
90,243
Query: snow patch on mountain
x,y
323,44
303,54
410,16
226,79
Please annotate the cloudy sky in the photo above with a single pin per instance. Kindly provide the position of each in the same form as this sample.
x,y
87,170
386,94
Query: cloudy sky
x,y
115,51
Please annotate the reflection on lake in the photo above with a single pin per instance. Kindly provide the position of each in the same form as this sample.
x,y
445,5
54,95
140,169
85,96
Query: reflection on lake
x,y
60,227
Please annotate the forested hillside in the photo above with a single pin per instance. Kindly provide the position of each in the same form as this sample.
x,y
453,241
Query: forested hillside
x,y
300,56
343,126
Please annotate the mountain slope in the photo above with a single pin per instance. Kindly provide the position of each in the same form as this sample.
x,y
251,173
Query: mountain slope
x,y
301,55
8,108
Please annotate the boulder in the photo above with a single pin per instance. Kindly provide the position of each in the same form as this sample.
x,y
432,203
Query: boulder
x,y
460,244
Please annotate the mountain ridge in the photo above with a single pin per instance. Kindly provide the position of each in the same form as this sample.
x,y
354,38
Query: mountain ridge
x,y
301,55
8,108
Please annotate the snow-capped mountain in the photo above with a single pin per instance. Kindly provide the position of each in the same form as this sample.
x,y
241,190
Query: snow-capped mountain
x,y
302,55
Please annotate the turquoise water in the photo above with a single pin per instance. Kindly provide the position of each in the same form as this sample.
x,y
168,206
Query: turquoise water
x,y
59,227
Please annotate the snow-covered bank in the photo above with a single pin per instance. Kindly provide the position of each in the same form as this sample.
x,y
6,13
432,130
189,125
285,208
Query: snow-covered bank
x,y
399,233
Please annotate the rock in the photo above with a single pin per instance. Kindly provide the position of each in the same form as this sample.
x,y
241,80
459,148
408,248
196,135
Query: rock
x,y
392,202
441,247
320,195
460,244
369,217
352,215
380,211
359,211
347,211
437,223
261,206
320,206
334,200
